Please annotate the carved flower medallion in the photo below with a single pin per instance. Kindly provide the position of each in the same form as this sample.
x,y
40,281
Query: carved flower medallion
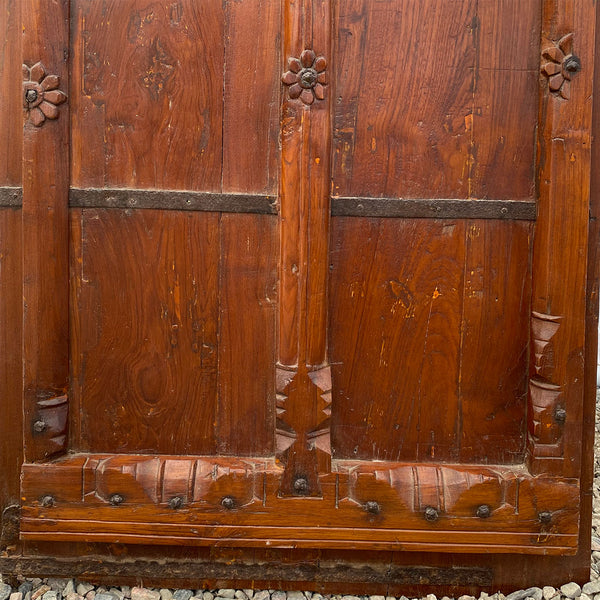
x,y
41,95
561,66
306,77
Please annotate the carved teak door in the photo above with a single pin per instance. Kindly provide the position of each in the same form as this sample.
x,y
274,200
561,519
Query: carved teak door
x,y
305,273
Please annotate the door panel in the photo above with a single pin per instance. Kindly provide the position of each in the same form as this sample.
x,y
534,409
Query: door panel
x,y
327,266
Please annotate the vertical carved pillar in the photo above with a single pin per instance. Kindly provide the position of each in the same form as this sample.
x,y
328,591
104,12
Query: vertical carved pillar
x,y
303,375
559,274
45,226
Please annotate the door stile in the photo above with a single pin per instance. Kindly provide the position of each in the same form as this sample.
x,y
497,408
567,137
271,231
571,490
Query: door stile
x,y
561,238
303,372
45,227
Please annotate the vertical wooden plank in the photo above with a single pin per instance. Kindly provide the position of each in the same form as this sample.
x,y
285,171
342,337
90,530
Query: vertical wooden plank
x,y
45,227
10,100
251,93
561,241
247,318
494,342
304,379
11,437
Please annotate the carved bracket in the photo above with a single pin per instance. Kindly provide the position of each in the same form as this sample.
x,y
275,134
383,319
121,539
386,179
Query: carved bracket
x,y
41,95
546,407
306,77
303,435
50,425
561,65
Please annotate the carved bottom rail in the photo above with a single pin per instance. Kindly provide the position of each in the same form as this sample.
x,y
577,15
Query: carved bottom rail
x,y
218,501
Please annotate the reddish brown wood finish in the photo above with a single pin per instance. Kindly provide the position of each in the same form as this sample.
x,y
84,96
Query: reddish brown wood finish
x,y
370,399
45,234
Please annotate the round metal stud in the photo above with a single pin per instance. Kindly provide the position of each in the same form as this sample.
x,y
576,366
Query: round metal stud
x,y
47,501
31,96
572,64
176,502
116,499
560,415
545,517
372,507
228,502
39,426
300,485
483,511
431,514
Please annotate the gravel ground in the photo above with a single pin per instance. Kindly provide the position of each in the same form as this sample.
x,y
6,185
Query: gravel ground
x,y
69,589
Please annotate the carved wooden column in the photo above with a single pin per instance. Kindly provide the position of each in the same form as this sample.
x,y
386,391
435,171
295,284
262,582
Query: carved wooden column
x,y
45,226
303,374
559,275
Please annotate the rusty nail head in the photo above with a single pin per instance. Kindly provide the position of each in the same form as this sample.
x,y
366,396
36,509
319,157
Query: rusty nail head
x,y
228,502
373,507
300,485
116,499
176,502
47,501
560,415
39,426
431,514
545,517
572,64
483,511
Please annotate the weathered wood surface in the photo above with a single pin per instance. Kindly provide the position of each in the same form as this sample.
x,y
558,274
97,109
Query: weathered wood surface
x,y
268,362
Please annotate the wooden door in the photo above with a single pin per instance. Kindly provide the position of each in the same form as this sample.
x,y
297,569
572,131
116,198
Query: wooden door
x,y
306,274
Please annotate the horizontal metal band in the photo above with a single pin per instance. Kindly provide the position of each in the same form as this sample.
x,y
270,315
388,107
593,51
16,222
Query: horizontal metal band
x,y
172,200
11,197
436,208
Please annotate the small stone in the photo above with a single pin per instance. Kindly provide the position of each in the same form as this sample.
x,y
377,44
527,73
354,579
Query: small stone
x,y
591,588
57,585
225,593
16,596
90,595
532,592
25,587
165,594
249,593
343,598
570,590
376,597
240,595
36,582
261,595
51,595
465,597
83,588
100,590
138,593
597,597
318,596
105,596
69,588
431,597
296,595
126,591
548,592
5,591
182,594
278,595
584,597
74,596
40,592
206,596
